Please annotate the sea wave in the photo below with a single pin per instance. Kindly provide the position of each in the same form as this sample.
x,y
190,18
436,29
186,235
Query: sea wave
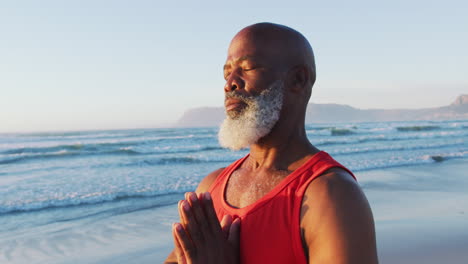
x,y
391,147
357,139
438,158
331,130
445,156
64,154
73,134
84,200
174,160
58,154
389,131
63,151
65,147
417,128
341,132
184,149
12,146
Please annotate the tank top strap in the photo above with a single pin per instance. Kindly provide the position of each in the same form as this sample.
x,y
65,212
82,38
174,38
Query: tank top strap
x,y
326,163
318,168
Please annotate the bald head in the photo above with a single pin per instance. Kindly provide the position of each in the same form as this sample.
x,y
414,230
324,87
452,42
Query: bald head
x,y
290,48
269,73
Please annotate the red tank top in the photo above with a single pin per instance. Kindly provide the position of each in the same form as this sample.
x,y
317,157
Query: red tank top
x,y
270,227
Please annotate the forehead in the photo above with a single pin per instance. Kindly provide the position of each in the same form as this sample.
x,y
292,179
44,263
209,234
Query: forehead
x,y
244,47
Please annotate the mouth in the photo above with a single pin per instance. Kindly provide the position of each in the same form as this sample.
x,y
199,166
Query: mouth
x,y
234,104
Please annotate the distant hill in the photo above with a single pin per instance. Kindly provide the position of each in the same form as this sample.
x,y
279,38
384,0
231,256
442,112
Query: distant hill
x,y
330,113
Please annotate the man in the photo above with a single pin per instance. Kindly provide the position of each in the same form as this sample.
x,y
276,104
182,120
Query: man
x,y
285,202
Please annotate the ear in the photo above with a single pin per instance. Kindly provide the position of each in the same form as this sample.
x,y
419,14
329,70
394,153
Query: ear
x,y
299,77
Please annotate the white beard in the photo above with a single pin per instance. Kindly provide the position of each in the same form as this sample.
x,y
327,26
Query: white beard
x,y
255,121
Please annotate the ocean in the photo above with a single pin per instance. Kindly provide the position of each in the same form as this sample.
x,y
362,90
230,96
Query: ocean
x,y
84,176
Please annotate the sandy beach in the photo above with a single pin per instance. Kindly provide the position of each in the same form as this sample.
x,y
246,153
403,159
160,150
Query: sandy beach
x,y
422,222
426,222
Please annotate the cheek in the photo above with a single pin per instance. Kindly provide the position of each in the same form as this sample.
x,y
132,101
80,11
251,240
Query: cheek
x,y
258,82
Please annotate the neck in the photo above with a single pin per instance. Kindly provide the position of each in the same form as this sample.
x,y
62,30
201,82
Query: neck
x,y
283,149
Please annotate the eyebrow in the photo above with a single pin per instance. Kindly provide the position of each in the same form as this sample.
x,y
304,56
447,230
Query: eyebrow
x,y
241,59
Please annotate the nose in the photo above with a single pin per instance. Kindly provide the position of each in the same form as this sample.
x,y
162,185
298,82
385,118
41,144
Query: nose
x,y
233,83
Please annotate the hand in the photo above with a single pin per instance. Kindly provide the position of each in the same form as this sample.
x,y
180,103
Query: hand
x,y
200,238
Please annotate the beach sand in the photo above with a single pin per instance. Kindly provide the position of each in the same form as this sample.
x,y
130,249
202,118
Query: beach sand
x,y
417,221
421,215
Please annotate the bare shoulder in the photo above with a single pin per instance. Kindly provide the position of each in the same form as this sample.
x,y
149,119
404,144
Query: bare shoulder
x,y
334,194
206,183
335,184
337,221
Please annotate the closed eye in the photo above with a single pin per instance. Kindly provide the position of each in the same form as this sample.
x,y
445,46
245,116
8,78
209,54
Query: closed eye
x,y
251,68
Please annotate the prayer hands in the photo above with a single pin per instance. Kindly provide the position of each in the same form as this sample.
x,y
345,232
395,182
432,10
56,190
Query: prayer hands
x,y
199,238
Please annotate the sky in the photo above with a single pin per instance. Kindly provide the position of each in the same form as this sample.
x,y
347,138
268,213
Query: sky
x,y
85,65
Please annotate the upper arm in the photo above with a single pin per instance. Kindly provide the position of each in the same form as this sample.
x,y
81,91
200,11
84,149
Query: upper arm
x,y
337,222
203,186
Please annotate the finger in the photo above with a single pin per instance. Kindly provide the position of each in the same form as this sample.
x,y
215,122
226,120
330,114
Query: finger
x,y
197,209
194,230
188,249
234,233
200,196
226,225
177,247
210,213
181,213
199,215
186,195
183,217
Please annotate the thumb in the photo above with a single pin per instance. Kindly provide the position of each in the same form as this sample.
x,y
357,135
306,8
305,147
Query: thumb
x,y
234,233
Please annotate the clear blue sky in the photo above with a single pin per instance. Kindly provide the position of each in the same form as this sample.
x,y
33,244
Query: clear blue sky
x,y
70,65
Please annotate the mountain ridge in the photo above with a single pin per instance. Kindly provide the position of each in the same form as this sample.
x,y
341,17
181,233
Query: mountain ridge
x,y
331,113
